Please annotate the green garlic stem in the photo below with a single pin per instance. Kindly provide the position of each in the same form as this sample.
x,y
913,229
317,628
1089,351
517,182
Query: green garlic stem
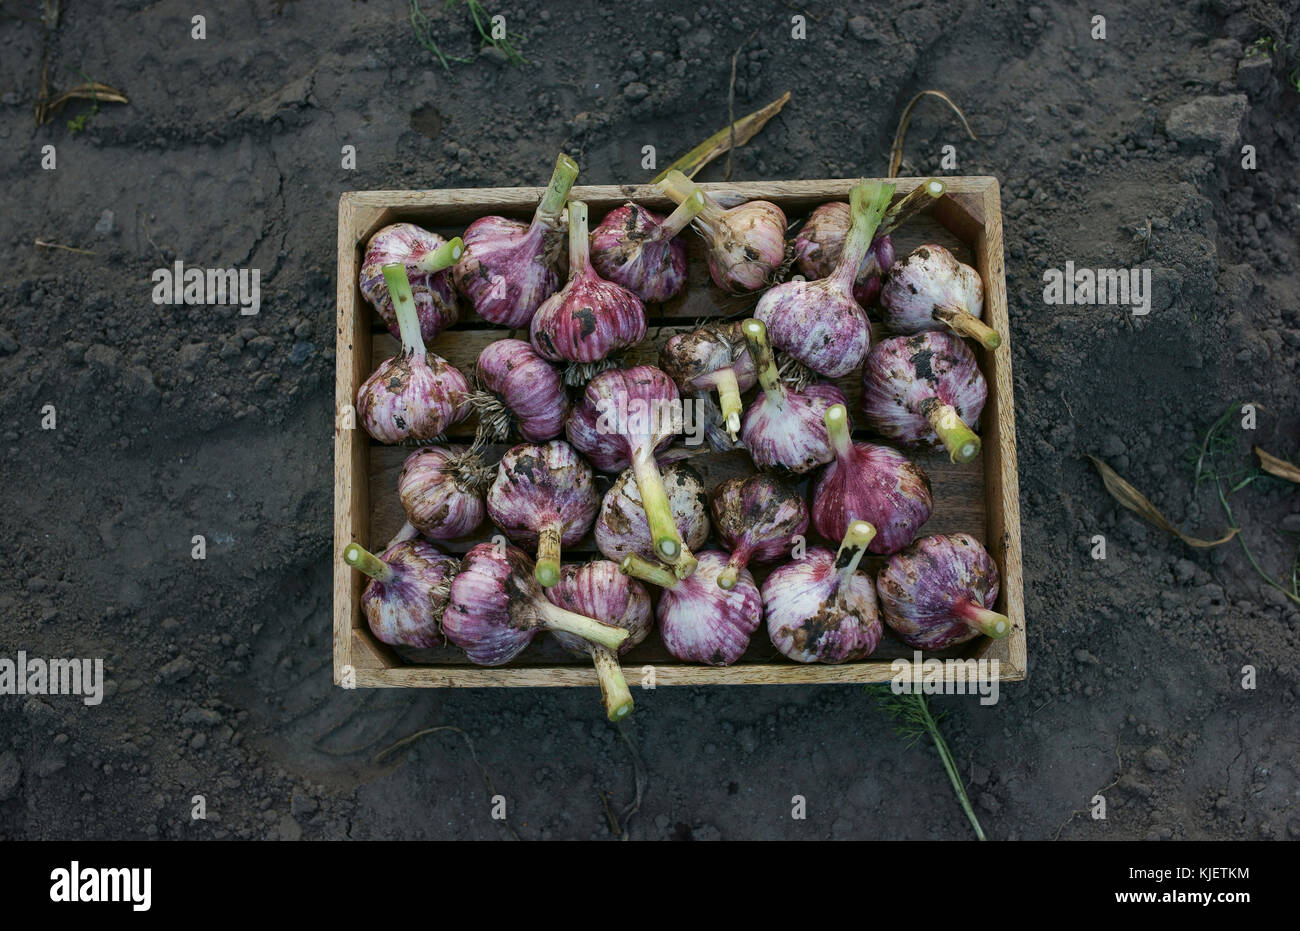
x,y
408,318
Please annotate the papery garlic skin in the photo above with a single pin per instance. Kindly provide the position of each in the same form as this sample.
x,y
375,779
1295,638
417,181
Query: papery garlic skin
x,y
637,249
712,357
621,526
434,292
701,622
819,322
404,607
814,617
530,390
544,497
410,400
907,381
940,591
745,245
589,318
791,434
931,290
496,608
757,518
509,268
415,395
599,590
871,483
820,242
441,490
622,398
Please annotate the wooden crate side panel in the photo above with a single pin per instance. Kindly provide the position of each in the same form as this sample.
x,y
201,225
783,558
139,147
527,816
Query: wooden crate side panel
x,y
1001,479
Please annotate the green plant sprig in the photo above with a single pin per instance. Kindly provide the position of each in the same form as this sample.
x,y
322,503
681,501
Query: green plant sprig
x,y
914,720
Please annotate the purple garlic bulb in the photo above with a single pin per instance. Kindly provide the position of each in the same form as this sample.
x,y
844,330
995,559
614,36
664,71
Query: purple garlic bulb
x,y
509,267
496,608
872,483
544,496
413,396
621,526
638,249
940,591
745,245
624,417
931,290
699,620
820,243
820,609
758,519
441,488
599,590
589,317
925,390
426,257
783,427
819,322
712,357
404,600
522,390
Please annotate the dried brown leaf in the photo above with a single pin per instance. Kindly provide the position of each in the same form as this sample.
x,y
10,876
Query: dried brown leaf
x,y
100,93
896,150
1135,501
1275,466
733,135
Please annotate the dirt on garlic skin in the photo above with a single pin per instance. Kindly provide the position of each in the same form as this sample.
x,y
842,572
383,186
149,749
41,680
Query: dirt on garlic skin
x,y
220,685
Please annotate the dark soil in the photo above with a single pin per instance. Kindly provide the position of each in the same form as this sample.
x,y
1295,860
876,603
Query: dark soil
x,y
182,420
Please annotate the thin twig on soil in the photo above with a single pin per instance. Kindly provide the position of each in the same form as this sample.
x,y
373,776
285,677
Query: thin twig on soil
x,y
1079,811
896,150
731,103
42,244
487,779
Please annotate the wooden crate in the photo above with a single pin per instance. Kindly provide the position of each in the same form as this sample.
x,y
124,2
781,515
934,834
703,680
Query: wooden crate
x,y
979,497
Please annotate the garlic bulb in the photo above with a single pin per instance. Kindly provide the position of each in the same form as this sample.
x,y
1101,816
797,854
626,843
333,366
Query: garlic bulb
x,y
820,609
818,322
496,608
441,489
621,526
820,241
600,591
783,427
405,598
589,317
521,390
931,290
544,496
746,244
712,357
509,267
940,591
699,620
427,258
413,396
923,390
872,483
757,518
624,417
639,250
